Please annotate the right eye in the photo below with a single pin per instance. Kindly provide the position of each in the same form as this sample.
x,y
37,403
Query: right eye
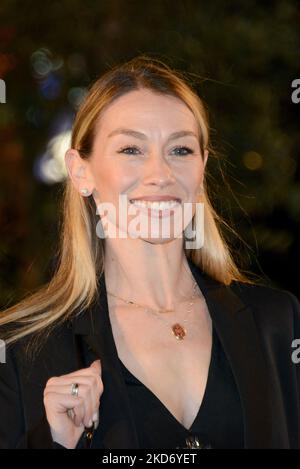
x,y
128,148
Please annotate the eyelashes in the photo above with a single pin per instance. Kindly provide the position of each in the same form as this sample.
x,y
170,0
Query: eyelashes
x,y
133,147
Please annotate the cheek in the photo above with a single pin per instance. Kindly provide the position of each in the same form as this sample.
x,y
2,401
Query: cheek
x,y
191,178
113,179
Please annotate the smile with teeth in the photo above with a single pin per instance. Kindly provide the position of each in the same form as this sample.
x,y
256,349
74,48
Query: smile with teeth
x,y
163,205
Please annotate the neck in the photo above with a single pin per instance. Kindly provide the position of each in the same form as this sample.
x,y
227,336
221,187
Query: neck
x,y
155,274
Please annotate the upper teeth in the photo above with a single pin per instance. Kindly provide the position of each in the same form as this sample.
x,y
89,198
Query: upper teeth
x,y
155,205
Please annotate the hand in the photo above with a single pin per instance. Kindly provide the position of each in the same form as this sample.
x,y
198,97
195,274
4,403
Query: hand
x,y
66,429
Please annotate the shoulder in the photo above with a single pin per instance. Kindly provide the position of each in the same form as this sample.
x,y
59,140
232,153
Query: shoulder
x,y
270,305
35,357
23,377
260,294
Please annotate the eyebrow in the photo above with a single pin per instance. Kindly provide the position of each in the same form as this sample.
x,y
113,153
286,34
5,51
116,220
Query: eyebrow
x,y
142,136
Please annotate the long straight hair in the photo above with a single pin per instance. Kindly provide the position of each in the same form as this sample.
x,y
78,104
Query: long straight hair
x,y
80,252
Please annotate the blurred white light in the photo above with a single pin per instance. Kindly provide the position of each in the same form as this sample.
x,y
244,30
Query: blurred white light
x,y
51,166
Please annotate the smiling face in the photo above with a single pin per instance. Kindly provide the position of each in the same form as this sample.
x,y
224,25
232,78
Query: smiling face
x,y
147,144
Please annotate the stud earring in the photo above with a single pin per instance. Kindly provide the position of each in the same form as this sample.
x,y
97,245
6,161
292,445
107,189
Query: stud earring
x,y
85,192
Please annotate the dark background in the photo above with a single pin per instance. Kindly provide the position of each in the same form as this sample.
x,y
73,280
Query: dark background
x,y
240,56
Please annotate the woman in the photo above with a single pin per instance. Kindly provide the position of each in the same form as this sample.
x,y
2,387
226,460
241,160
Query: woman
x,y
141,340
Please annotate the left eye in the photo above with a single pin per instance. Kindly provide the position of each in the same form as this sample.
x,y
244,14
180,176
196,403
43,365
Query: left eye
x,y
128,148
187,149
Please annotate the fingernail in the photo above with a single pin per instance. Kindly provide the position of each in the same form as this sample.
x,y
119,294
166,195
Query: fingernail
x,y
90,423
96,419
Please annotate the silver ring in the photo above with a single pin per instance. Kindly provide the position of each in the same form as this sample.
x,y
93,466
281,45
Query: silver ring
x,y
74,389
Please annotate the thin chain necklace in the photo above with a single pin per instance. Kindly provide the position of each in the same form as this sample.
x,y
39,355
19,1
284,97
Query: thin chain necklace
x,y
177,329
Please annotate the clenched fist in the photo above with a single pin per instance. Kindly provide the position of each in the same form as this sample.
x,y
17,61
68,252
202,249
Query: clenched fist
x,y
68,414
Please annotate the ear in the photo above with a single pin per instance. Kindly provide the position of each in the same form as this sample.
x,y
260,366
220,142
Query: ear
x,y
79,172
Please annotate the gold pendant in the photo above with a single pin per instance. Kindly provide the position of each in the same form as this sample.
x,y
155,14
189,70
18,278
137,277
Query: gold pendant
x,y
179,331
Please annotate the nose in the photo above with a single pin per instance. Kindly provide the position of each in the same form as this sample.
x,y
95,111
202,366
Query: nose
x,y
158,172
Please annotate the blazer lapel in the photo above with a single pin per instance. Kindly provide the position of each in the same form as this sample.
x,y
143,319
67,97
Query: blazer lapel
x,y
116,426
234,323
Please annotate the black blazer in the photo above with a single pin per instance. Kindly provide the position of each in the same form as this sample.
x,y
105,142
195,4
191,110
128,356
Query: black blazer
x,y
256,325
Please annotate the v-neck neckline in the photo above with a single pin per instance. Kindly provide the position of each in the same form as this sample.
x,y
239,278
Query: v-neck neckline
x,y
126,371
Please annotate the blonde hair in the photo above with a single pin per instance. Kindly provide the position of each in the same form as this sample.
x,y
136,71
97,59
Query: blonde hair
x,y
80,252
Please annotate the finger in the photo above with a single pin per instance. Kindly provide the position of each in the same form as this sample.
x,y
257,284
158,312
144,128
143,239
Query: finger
x,y
92,380
97,365
65,385
79,415
85,392
63,403
60,403
94,368
96,419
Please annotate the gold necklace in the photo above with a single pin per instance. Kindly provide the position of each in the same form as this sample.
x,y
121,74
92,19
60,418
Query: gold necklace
x,y
177,329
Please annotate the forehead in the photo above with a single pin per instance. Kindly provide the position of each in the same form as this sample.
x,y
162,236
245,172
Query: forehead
x,y
149,112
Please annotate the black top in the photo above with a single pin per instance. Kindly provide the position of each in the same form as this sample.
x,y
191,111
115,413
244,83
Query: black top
x,y
218,423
